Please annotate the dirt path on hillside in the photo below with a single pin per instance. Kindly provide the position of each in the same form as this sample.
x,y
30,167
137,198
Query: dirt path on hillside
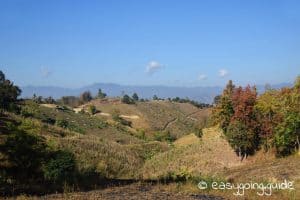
x,y
130,116
169,123
130,192
192,118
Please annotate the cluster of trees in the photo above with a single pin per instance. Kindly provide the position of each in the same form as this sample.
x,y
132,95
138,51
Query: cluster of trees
x,y
40,99
8,93
85,97
249,121
135,98
130,100
27,159
187,100
156,98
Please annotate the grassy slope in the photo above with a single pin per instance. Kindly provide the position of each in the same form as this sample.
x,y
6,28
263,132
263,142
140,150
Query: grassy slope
x,y
213,156
110,149
178,118
206,156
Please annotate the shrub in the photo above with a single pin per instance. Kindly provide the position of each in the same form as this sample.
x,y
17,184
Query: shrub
x,y
31,126
47,119
62,123
24,152
61,168
29,110
126,99
92,109
164,136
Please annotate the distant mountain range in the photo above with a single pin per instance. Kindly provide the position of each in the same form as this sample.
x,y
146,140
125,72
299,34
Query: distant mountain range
x,y
202,94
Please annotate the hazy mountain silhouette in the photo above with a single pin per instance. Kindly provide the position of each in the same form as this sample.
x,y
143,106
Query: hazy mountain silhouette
x,y
202,94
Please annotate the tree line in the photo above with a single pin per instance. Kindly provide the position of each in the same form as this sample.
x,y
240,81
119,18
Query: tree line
x,y
251,121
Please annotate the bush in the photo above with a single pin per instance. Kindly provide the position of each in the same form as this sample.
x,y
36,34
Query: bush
x,y
126,99
61,168
29,110
49,120
62,123
92,109
164,136
181,176
24,154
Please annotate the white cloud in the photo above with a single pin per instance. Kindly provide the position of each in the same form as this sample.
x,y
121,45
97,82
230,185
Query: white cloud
x,y
202,77
223,72
45,72
153,66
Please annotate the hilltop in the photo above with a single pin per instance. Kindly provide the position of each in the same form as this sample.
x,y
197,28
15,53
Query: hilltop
x,y
155,116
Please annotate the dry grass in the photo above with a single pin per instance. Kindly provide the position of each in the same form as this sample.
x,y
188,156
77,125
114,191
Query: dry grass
x,y
178,118
208,156
186,140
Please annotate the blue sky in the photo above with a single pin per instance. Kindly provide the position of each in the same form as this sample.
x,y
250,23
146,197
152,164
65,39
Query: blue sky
x,y
155,42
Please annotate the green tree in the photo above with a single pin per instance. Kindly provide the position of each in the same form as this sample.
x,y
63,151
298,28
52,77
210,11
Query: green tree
x,y
70,101
49,100
267,109
86,96
101,95
155,97
287,132
241,138
61,123
223,111
126,99
8,92
135,97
